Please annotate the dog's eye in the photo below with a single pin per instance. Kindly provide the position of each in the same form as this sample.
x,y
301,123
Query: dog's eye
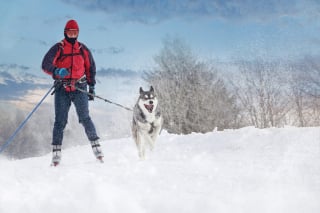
x,y
146,96
151,96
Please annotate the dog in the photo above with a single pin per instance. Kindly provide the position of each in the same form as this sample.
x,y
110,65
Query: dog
x,y
147,121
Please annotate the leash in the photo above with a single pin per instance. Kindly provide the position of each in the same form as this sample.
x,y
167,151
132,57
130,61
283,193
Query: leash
x,y
82,80
106,100
9,141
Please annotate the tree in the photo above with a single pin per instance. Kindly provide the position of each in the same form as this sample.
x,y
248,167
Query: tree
x,y
262,93
192,96
310,78
31,140
305,86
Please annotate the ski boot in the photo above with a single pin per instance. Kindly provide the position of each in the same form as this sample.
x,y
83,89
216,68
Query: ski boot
x,y
96,148
56,155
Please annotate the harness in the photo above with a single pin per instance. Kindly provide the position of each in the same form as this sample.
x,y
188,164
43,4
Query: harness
x,y
62,54
70,84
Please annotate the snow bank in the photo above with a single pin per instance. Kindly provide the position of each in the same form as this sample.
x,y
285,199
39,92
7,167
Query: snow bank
x,y
245,170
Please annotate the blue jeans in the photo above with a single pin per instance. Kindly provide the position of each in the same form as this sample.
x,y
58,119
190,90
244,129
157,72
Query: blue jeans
x,y
62,103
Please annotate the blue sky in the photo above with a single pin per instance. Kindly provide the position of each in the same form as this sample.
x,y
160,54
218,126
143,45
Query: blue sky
x,y
127,34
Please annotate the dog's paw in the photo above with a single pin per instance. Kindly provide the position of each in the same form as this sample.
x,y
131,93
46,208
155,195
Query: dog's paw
x,y
142,157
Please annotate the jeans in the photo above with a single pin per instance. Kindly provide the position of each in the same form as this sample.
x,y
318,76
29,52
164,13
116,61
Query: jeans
x,y
62,103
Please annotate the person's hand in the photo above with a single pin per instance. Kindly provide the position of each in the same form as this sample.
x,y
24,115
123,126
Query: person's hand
x,y
92,93
60,73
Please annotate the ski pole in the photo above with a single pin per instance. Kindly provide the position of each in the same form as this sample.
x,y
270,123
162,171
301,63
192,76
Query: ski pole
x,y
106,100
6,144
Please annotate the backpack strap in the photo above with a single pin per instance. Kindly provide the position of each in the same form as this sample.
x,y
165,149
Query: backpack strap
x,y
61,46
81,50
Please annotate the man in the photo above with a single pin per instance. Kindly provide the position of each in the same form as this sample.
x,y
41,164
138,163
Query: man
x,y
71,65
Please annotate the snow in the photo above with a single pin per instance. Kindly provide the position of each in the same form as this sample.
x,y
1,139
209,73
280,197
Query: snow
x,y
247,170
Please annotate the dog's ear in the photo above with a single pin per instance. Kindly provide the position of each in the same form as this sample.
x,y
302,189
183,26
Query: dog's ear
x,y
141,90
151,89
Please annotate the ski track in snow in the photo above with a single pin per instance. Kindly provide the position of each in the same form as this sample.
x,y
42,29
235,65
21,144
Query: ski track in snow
x,y
246,170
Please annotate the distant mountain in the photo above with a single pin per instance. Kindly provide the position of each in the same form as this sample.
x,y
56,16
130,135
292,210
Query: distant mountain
x,y
16,81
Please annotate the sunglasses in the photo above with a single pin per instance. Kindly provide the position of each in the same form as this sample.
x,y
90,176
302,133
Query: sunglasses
x,y
72,33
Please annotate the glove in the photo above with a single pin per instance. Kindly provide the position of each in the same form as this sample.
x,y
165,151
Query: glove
x,y
60,73
91,91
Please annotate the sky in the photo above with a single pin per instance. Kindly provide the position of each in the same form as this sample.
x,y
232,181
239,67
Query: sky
x,y
247,170
125,34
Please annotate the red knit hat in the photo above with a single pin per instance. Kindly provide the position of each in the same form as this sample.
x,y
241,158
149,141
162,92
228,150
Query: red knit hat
x,y
71,25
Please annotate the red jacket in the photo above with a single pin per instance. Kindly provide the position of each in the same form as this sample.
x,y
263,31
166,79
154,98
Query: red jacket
x,y
76,58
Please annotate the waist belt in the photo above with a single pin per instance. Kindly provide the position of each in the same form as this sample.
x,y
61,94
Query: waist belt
x,y
69,84
74,80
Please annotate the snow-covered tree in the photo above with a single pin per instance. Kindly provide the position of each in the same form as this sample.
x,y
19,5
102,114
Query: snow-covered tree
x,y
192,96
32,139
305,86
262,93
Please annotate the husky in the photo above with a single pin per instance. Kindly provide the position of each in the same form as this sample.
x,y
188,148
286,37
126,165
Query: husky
x,y
147,121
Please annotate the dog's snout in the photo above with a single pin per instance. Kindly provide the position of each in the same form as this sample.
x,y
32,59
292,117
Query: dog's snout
x,y
150,102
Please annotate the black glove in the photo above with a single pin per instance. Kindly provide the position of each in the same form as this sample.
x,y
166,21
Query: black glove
x,y
92,93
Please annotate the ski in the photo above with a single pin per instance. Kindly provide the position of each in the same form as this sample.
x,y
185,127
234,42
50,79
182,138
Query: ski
x,y
100,159
54,164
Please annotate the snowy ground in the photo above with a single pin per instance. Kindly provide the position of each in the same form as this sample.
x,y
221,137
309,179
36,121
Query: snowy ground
x,y
245,170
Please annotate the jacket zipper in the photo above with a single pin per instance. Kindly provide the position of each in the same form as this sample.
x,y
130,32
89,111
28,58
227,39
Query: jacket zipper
x,y
71,60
